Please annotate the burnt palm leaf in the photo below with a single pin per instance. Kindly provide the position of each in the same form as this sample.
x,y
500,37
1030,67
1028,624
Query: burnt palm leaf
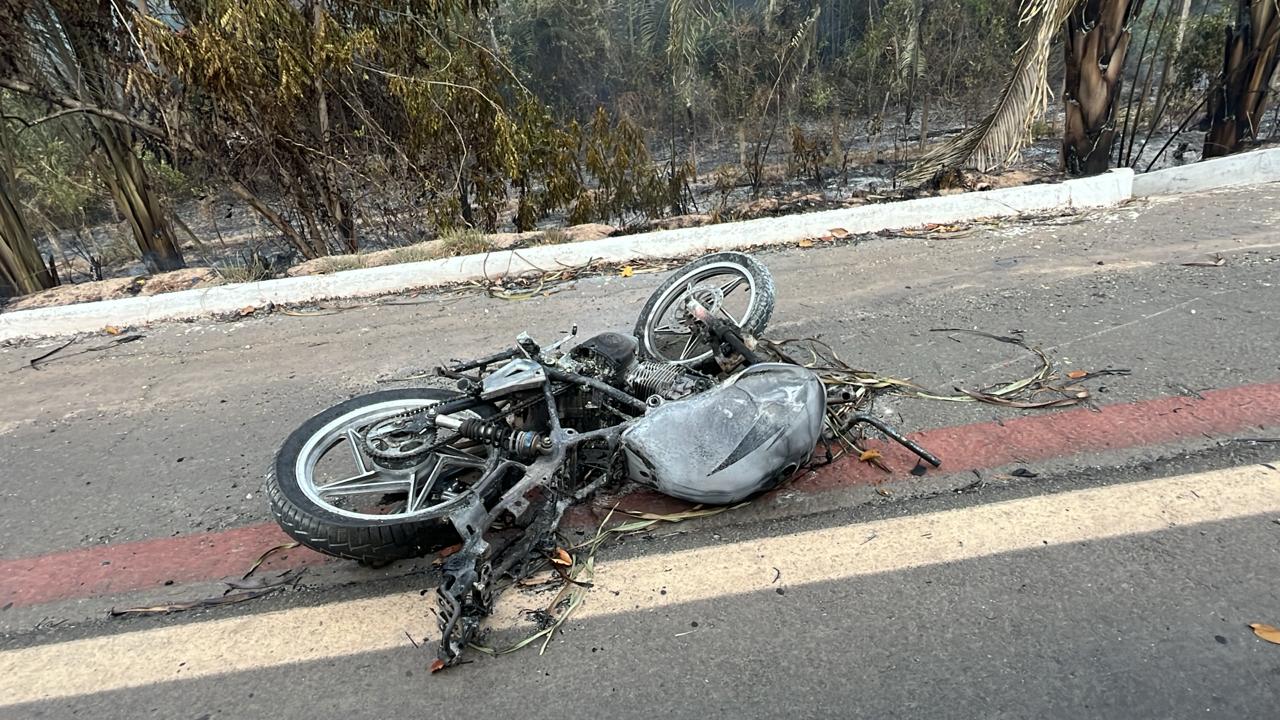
x,y
1001,135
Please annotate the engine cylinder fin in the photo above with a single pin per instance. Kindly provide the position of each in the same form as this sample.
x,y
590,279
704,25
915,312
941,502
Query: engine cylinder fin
x,y
668,380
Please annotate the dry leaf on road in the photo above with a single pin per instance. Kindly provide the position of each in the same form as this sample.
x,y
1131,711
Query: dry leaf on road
x,y
111,330
1270,633
805,243
869,455
627,271
1077,374
1217,261
263,557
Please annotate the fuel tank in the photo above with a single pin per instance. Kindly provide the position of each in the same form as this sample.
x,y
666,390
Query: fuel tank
x,y
731,442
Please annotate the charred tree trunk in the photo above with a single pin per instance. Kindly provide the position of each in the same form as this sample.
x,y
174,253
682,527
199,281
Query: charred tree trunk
x,y
1238,101
134,197
1097,37
22,270
336,203
87,72
1170,63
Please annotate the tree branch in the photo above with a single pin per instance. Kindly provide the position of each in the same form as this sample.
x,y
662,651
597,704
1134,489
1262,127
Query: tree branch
x,y
72,105
28,124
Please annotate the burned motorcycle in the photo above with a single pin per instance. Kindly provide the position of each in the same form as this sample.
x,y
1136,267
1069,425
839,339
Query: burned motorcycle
x,y
684,405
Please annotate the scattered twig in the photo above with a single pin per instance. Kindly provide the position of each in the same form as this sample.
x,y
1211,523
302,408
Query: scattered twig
x,y
35,362
248,589
231,599
313,313
263,582
261,558
403,378
47,358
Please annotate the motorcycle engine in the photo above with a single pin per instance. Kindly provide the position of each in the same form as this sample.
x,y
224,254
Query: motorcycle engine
x,y
607,356
612,358
667,381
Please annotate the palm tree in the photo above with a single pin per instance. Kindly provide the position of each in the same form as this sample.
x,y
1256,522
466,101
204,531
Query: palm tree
x,y
1238,100
1095,44
1097,36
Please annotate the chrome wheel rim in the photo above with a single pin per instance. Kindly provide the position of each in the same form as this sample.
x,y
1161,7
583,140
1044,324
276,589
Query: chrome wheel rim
x,y
669,333
373,492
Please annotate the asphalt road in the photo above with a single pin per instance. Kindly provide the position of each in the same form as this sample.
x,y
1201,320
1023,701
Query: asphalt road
x,y
168,437
171,434
1145,624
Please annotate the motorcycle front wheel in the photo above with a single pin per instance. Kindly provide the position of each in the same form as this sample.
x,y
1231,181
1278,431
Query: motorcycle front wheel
x,y
731,284
346,485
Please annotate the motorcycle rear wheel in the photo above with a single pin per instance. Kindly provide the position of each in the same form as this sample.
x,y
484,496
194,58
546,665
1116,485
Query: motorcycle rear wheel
x,y
322,516
663,331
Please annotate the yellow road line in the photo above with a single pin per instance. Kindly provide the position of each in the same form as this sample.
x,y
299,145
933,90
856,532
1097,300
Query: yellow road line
x,y
338,629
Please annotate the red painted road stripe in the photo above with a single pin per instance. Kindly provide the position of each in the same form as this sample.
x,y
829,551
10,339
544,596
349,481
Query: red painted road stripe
x,y
125,567
1040,437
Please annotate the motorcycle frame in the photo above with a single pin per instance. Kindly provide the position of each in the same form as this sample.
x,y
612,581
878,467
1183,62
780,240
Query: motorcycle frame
x,y
465,595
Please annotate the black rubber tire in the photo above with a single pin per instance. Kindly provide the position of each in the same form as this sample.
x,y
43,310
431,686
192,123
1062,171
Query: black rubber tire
x,y
756,321
366,540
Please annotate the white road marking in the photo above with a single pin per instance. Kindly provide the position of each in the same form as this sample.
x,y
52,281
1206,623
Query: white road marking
x,y
304,634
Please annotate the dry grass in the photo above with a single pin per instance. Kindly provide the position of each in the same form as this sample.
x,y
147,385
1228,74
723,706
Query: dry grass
x,y
338,263
464,242
414,253
554,236
239,271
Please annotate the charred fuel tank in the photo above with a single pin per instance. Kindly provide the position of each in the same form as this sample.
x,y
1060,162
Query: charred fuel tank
x,y
733,441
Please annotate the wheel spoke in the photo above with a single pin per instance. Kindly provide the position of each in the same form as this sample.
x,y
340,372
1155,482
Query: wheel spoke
x,y
418,490
458,458
731,285
414,491
364,483
731,318
353,438
684,354
671,330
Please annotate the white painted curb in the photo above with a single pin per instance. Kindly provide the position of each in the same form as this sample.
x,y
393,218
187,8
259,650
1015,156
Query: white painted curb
x,y
1249,168
1103,190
